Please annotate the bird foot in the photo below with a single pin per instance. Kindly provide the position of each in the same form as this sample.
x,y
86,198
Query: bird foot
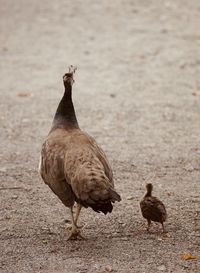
x,y
75,234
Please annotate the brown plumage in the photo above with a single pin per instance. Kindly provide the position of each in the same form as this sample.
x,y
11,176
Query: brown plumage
x,y
73,165
152,208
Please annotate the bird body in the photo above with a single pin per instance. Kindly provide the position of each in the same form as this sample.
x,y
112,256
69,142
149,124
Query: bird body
x,y
72,159
73,165
152,208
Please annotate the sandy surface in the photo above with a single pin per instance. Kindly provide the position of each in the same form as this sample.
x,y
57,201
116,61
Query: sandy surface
x,y
137,92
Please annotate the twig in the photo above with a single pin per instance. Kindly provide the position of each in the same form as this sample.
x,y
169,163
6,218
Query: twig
x,y
12,188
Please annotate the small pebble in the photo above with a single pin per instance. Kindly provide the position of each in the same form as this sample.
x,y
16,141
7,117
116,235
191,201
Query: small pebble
x,y
161,267
45,242
14,197
108,268
125,239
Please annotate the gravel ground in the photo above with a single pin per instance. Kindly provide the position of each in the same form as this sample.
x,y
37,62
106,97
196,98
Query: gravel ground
x,y
137,92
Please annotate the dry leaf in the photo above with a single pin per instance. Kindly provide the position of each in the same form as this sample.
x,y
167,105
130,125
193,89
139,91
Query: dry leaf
x,y
196,93
108,268
188,256
44,242
24,94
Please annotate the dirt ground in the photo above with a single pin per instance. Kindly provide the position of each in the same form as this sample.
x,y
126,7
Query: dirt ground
x,y
137,91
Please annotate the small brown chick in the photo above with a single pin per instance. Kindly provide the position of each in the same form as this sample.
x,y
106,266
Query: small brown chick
x,y
152,208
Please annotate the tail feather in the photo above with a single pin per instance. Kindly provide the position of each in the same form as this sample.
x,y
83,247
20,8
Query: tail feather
x,y
99,202
114,196
105,208
94,189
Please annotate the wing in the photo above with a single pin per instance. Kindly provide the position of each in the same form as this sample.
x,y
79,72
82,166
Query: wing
x,y
101,157
52,171
87,169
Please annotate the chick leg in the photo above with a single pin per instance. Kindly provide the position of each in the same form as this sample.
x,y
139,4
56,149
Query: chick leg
x,y
149,223
78,210
163,228
74,232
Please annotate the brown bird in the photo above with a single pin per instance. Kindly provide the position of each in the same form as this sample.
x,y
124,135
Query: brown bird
x,y
73,165
152,208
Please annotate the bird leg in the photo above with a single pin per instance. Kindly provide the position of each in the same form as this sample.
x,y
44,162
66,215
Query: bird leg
x,y
149,223
74,231
78,210
163,228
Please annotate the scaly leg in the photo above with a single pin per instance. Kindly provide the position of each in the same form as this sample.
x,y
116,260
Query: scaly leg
x,y
74,231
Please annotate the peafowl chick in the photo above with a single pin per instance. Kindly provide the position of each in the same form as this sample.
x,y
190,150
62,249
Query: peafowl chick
x,y
152,208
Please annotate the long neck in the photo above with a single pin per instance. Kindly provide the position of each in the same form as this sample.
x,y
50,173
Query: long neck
x,y
65,116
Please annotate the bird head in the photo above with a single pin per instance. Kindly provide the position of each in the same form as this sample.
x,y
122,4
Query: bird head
x,y
149,187
68,78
